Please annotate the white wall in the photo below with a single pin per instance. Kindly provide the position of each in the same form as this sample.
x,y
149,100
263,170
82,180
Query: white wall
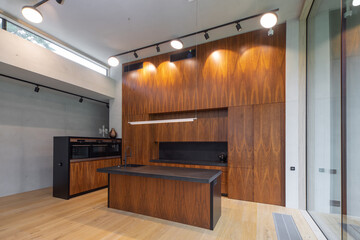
x,y
115,120
28,123
292,114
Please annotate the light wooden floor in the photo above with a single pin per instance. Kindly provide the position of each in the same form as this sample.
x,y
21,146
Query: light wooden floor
x,y
37,215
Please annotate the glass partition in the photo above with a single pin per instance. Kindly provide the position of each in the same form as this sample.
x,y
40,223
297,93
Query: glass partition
x,y
333,117
324,117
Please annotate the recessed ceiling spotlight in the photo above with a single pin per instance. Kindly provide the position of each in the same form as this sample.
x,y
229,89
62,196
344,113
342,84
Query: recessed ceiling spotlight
x,y
113,61
268,20
177,44
356,3
157,48
206,36
32,14
238,27
136,55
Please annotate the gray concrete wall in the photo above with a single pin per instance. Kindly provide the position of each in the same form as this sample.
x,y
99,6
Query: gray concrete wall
x,y
28,123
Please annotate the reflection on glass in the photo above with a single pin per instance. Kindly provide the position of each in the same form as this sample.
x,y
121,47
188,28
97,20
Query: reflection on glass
x,y
324,117
352,63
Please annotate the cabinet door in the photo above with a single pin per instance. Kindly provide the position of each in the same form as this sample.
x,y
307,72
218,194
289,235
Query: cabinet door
x,y
84,177
269,153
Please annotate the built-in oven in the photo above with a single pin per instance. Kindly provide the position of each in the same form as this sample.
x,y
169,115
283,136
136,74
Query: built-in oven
x,y
80,151
99,150
114,149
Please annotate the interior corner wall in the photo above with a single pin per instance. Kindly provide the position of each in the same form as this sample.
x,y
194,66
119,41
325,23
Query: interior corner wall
x,y
28,123
292,114
115,116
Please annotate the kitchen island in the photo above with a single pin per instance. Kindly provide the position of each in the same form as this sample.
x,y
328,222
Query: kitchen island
x,y
190,196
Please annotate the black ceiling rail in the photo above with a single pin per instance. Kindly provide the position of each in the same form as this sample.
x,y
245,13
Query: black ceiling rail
x,y
54,89
198,32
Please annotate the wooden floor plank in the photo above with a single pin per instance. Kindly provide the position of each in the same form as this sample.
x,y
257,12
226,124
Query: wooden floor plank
x,y
37,215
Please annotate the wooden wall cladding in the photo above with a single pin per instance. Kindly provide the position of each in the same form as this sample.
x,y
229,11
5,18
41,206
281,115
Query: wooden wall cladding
x,y
83,175
269,153
241,70
211,126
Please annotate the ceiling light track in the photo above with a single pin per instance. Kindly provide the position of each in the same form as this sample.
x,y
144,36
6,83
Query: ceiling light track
x,y
37,89
34,15
204,31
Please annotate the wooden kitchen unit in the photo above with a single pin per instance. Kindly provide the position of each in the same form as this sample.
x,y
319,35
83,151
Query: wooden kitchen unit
x,y
235,88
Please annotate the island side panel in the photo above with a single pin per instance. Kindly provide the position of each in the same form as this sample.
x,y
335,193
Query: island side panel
x,y
178,201
216,201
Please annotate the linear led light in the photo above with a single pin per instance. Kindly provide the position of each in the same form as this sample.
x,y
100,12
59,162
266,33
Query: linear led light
x,y
163,121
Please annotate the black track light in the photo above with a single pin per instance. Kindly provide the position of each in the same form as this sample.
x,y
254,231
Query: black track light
x,y
81,100
136,55
107,105
157,48
37,89
206,36
238,27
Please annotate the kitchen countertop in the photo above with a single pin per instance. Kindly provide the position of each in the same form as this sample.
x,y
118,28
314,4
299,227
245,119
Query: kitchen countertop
x,y
204,163
171,173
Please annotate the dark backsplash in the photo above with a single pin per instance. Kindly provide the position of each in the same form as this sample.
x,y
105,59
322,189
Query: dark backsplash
x,y
192,151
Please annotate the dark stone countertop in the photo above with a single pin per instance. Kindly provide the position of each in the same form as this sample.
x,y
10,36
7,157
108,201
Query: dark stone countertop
x,y
171,173
204,163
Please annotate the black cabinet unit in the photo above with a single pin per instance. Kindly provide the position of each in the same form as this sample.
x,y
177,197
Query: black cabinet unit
x,y
76,160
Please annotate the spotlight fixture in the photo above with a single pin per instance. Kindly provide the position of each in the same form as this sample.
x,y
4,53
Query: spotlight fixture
x,y
238,27
37,89
268,20
113,61
81,100
107,105
136,55
356,3
206,36
32,14
177,44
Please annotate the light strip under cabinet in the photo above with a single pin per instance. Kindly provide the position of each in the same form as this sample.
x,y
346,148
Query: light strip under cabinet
x,y
163,121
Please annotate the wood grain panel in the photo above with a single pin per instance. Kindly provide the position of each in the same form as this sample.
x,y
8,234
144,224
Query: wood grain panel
x,y
269,153
212,79
84,177
139,138
256,71
186,202
224,172
241,183
241,139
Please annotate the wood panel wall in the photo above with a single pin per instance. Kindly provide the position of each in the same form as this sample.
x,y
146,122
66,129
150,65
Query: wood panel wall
x,y
236,88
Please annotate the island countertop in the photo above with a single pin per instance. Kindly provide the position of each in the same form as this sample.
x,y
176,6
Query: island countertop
x,y
171,173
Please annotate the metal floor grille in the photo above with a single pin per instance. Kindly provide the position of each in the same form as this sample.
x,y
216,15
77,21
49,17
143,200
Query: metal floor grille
x,y
285,227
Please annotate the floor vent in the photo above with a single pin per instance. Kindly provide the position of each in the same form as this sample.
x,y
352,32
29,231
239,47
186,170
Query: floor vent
x,y
352,230
285,227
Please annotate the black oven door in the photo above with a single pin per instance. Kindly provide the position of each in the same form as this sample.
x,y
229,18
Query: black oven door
x,y
99,150
80,151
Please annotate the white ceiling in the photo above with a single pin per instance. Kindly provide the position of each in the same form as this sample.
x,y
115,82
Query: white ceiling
x,y
106,27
